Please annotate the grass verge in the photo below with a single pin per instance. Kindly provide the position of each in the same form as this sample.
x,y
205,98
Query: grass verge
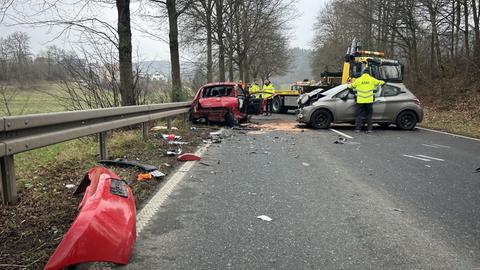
x,y
31,230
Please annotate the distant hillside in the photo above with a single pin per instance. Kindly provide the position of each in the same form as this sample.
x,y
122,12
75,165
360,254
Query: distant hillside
x,y
299,67
163,67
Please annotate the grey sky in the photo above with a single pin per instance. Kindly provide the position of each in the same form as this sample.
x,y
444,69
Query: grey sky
x,y
148,49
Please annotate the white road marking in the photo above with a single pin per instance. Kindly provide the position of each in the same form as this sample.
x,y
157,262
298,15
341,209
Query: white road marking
x,y
341,133
451,134
432,146
423,159
441,146
434,158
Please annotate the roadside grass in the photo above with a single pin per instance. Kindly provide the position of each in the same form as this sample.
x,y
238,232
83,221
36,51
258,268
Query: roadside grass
x,y
462,117
31,230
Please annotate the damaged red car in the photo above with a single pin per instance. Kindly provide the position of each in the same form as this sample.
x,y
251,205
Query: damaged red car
x,y
225,102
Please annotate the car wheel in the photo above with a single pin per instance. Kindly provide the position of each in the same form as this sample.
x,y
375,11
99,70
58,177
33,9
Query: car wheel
x,y
384,125
406,120
276,105
321,119
229,119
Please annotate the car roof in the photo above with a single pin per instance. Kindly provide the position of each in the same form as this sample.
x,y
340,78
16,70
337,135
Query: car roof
x,y
220,83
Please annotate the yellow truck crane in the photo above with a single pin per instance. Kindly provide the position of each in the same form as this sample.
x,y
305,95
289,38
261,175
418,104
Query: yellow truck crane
x,y
285,100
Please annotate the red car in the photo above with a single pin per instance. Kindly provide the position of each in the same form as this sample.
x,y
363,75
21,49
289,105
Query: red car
x,y
225,103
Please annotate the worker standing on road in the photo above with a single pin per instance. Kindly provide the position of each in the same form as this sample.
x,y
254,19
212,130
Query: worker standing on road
x,y
254,88
364,89
268,95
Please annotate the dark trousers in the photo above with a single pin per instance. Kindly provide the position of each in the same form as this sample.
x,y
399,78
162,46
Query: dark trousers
x,y
364,111
269,108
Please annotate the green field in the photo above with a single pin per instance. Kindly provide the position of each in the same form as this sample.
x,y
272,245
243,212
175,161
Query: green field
x,y
34,98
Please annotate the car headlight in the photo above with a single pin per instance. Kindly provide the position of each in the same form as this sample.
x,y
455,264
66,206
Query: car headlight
x,y
304,99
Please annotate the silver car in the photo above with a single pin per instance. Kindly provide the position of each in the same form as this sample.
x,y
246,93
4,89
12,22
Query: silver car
x,y
394,104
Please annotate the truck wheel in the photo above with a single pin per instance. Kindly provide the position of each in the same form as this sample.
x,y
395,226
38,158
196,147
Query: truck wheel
x,y
321,119
284,110
277,105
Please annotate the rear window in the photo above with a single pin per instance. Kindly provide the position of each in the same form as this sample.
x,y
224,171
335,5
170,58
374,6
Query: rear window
x,y
218,91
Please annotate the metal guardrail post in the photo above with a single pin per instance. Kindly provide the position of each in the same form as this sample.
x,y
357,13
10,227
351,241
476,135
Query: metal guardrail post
x,y
102,140
9,189
145,130
169,123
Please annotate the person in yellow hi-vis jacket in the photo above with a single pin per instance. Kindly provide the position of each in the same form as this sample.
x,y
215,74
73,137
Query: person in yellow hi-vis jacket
x,y
254,88
364,89
267,93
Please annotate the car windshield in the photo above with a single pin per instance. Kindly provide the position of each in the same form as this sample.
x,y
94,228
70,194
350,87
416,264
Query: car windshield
x,y
335,90
218,91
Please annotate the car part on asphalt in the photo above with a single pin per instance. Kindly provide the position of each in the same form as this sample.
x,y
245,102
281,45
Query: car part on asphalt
x,y
123,162
144,176
188,157
104,230
265,218
172,153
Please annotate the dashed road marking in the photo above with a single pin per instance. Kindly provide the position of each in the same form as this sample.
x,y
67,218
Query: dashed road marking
x,y
451,134
423,159
341,133
428,157
429,145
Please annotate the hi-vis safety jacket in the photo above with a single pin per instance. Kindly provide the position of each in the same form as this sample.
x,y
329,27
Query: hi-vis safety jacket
x,y
254,88
267,91
364,88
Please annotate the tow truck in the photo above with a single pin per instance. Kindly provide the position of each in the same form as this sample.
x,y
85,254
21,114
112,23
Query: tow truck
x,y
285,100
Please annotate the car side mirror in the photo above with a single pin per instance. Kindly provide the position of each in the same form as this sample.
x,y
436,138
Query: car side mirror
x,y
344,97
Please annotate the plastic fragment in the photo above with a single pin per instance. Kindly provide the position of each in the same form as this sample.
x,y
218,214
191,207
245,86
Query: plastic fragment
x,y
265,218
188,157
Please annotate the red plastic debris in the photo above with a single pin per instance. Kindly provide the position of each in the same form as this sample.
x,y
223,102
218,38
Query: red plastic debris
x,y
188,157
104,230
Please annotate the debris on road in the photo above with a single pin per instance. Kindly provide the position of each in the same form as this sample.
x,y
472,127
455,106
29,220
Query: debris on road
x,y
305,164
398,210
477,170
340,140
188,157
172,153
204,163
157,174
144,176
216,137
108,203
157,128
123,162
69,186
265,218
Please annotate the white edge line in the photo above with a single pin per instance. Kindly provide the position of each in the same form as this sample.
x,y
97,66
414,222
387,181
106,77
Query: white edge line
x,y
341,133
424,159
434,158
451,134
152,207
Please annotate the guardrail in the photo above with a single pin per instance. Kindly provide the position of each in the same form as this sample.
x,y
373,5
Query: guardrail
x,y
27,132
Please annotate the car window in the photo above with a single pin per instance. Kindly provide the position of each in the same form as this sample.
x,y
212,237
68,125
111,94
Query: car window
x,y
390,90
343,93
218,91
239,91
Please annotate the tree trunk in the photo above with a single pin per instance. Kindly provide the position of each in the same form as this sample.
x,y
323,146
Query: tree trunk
x,y
174,50
467,46
125,53
209,27
221,46
230,66
476,46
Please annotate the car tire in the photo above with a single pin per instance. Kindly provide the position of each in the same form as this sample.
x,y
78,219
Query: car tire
x,y
406,120
284,110
277,105
321,119
229,119
384,125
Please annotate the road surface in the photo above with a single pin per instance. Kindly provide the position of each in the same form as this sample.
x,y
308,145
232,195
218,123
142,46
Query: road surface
x,y
387,200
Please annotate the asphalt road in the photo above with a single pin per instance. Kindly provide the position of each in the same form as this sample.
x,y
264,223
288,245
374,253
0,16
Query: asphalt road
x,y
387,200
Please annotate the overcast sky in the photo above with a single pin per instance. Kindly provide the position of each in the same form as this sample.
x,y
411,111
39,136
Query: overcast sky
x,y
156,50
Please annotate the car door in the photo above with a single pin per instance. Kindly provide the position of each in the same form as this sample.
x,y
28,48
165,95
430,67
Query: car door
x,y
379,105
394,101
344,107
